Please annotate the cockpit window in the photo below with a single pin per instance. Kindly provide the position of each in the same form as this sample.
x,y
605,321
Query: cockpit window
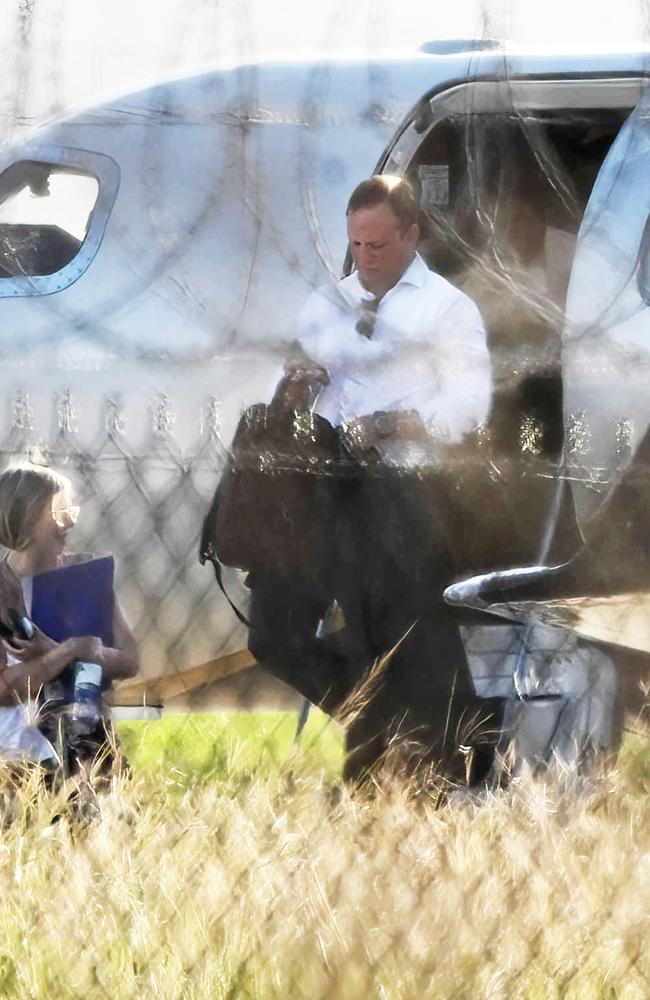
x,y
45,211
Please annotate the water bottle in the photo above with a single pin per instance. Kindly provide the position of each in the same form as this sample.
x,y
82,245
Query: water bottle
x,y
87,699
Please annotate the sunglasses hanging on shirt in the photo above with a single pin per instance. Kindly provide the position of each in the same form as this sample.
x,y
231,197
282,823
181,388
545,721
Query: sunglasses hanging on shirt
x,y
368,319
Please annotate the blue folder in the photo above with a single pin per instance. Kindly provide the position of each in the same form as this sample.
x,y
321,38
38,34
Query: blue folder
x,y
76,600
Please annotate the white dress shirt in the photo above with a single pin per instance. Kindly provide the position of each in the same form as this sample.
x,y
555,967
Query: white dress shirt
x,y
427,352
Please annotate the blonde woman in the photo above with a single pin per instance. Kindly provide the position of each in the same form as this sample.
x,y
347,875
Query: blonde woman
x,y
37,512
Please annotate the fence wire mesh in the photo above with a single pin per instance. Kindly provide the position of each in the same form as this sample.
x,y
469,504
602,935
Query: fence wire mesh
x,y
146,508
229,861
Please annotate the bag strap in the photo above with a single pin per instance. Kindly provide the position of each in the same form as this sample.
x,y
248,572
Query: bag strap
x,y
209,555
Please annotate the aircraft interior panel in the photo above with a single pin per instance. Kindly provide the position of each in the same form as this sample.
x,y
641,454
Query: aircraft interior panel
x,y
504,196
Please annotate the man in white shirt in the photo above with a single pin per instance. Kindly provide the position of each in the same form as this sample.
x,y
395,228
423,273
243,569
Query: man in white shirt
x,y
394,336
405,368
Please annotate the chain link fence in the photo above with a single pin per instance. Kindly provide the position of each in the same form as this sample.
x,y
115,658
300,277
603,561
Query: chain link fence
x,y
145,506
285,886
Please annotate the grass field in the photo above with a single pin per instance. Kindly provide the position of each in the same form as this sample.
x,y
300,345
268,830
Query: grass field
x,y
230,866
232,747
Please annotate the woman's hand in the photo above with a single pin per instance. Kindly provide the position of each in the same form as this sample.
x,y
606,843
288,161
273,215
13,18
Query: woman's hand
x,y
28,649
88,648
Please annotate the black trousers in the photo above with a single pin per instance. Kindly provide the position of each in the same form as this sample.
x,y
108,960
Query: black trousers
x,y
393,604
387,562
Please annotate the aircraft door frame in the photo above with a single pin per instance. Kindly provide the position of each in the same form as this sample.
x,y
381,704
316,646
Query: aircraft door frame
x,y
503,96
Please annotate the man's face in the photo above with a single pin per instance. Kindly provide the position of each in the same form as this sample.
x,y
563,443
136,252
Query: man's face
x,y
379,248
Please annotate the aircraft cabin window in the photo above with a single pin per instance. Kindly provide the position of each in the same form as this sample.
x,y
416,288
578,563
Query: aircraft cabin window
x,y
45,211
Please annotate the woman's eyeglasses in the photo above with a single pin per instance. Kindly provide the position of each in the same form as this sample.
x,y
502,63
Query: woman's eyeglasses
x,y
368,319
66,517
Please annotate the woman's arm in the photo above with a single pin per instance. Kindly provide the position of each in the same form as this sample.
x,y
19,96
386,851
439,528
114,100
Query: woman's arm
x,y
41,659
24,679
120,660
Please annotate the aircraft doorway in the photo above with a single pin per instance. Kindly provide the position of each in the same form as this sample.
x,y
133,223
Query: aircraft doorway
x,y
504,170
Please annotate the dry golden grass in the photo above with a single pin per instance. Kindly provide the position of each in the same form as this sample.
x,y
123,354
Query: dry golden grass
x,y
282,887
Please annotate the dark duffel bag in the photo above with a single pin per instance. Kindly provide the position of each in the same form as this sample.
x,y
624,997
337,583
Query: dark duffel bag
x,y
274,505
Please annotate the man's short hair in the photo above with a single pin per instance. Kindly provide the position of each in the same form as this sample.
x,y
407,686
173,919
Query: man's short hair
x,y
388,189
